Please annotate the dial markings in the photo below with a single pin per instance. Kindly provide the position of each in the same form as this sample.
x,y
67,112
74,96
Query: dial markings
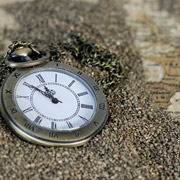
x,y
96,123
25,97
82,94
86,106
71,83
8,91
16,75
28,85
28,110
55,77
29,126
69,124
38,120
96,88
40,78
53,125
13,110
102,106
83,118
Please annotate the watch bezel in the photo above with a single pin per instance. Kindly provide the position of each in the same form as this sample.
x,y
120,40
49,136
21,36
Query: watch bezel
x,y
39,135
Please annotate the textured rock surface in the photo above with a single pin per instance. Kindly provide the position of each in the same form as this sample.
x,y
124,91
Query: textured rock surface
x,y
138,141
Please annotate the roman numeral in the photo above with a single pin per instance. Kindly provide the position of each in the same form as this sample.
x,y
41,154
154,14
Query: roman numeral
x,y
71,83
96,88
8,91
96,123
55,77
84,119
29,126
86,106
69,124
28,110
13,110
102,106
38,120
77,133
79,72
53,125
16,75
28,85
40,78
82,94
54,134
26,97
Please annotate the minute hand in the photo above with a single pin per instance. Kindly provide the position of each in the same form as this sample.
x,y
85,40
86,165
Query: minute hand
x,y
42,92
48,95
55,100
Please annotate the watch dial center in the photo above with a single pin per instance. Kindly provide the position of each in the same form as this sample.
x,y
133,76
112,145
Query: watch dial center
x,y
55,100
62,106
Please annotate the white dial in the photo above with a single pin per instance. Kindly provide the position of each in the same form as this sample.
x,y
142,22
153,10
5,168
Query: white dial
x,y
55,99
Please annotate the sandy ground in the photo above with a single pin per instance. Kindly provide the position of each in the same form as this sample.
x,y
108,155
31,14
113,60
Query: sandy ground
x,y
7,22
138,141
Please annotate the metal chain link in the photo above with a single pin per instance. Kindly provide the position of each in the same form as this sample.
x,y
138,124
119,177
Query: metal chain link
x,y
4,69
86,53
17,44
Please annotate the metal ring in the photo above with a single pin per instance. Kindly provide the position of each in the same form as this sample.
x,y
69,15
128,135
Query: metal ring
x,y
45,58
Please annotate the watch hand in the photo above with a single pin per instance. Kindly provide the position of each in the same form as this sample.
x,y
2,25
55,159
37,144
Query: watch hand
x,y
54,100
50,92
42,92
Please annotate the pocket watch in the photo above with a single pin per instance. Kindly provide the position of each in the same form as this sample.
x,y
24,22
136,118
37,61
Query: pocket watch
x,y
50,103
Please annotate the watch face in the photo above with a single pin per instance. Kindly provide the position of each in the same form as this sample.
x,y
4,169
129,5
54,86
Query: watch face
x,y
55,99
54,105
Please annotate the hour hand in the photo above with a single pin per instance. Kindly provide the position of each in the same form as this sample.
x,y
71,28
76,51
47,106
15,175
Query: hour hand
x,y
51,93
